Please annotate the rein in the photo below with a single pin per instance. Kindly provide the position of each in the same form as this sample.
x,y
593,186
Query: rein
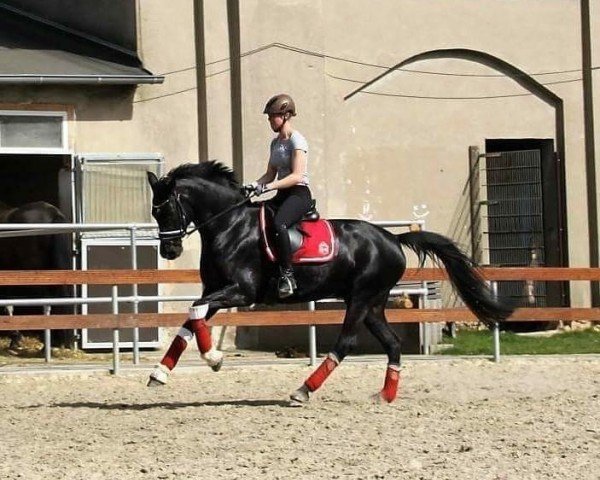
x,y
183,231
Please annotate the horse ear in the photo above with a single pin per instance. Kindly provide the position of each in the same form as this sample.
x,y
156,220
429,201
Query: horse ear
x,y
170,183
152,179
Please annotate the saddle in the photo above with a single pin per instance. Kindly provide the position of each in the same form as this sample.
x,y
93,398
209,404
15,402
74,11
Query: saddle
x,y
312,239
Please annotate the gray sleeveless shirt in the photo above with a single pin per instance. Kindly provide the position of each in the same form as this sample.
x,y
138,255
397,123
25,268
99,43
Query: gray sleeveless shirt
x,y
282,152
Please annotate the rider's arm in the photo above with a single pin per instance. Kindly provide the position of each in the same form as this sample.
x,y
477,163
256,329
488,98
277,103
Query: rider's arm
x,y
269,175
294,178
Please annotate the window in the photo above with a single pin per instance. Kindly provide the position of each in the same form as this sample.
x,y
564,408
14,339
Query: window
x,y
33,132
114,187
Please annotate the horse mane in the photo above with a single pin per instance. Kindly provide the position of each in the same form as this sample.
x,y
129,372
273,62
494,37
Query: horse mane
x,y
213,171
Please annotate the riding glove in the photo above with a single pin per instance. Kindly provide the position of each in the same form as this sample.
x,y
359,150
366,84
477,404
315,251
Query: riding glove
x,y
257,188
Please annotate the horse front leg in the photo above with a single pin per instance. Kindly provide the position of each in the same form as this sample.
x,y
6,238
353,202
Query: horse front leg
x,y
355,315
196,326
162,371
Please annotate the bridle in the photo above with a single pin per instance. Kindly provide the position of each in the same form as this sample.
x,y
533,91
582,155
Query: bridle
x,y
182,230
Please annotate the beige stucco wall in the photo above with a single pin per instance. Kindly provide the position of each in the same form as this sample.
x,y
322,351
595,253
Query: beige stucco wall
x,y
378,156
373,156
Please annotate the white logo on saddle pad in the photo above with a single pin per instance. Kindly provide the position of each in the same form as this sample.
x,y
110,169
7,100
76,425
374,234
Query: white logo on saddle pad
x,y
323,248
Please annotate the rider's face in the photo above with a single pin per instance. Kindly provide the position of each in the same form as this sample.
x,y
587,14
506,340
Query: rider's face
x,y
276,121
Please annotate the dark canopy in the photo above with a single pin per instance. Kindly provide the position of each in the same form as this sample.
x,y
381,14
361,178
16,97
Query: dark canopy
x,y
39,49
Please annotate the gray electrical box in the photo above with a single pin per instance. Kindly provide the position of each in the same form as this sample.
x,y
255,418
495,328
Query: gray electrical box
x,y
102,253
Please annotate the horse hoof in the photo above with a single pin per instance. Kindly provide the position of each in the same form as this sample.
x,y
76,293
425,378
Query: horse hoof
x,y
158,377
300,397
379,399
152,382
214,359
217,367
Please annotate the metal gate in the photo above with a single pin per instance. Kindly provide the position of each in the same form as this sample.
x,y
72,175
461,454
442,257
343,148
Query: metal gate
x,y
515,219
507,217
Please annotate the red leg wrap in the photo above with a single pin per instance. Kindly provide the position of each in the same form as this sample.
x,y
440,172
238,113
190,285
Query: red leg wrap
x,y
178,345
202,332
321,374
390,387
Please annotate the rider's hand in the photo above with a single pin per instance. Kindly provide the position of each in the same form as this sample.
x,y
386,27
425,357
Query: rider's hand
x,y
261,188
248,189
254,187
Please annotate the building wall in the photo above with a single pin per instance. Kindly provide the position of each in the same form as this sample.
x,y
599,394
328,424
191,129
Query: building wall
x,y
147,119
379,154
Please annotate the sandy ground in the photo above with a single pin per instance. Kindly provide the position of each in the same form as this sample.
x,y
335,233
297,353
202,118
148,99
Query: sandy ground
x,y
525,418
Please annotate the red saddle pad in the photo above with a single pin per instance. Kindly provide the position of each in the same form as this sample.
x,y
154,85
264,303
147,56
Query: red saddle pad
x,y
318,241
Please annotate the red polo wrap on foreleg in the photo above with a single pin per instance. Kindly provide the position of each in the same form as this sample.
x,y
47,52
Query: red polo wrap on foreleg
x,y
390,386
202,332
178,345
321,373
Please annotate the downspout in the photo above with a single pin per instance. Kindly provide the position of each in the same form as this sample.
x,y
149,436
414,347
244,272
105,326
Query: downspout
x,y
201,81
235,59
590,154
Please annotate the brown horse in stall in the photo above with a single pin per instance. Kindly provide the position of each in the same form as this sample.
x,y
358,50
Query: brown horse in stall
x,y
41,252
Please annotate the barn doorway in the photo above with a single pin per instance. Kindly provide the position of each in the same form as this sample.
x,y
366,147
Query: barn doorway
x,y
523,219
28,178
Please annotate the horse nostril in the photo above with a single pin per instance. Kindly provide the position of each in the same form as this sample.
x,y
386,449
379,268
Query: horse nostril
x,y
171,250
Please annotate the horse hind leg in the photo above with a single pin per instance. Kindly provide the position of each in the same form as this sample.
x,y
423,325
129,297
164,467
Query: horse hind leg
x,y
377,324
16,342
355,314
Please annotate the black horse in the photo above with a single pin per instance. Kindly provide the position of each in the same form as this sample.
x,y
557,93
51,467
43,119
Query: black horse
x,y
236,272
42,252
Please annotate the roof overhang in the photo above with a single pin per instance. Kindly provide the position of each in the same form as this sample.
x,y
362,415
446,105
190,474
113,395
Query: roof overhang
x,y
37,51
36,79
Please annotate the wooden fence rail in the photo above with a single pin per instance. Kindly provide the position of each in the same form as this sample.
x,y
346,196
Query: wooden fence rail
x,y
266,318
128,277
273,318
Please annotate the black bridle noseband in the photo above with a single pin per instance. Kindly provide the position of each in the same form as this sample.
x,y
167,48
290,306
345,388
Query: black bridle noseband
x,y
183,231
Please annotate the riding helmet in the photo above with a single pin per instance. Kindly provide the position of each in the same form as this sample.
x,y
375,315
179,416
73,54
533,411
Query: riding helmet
x,y
280,104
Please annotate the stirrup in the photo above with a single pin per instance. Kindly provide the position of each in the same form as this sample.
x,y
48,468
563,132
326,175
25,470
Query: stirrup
x,y
286,285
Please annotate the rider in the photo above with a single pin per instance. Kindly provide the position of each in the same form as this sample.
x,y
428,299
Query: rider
x,y
287,173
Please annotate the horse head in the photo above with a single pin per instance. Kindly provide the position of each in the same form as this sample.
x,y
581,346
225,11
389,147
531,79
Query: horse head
x,y
167,210
189,193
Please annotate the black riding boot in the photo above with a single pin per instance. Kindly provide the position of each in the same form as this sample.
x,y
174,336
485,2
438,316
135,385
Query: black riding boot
x,y
287,282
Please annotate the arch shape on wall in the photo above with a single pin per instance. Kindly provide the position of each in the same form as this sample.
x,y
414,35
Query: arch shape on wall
x,y
525,80
532,86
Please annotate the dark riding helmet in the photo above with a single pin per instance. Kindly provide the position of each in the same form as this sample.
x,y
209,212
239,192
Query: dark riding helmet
x,y
280,105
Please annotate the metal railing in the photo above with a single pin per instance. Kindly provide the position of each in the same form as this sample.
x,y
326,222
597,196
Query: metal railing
x,y
134,231
322,317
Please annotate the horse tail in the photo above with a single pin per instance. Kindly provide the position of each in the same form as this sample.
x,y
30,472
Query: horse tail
x,y
471,287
